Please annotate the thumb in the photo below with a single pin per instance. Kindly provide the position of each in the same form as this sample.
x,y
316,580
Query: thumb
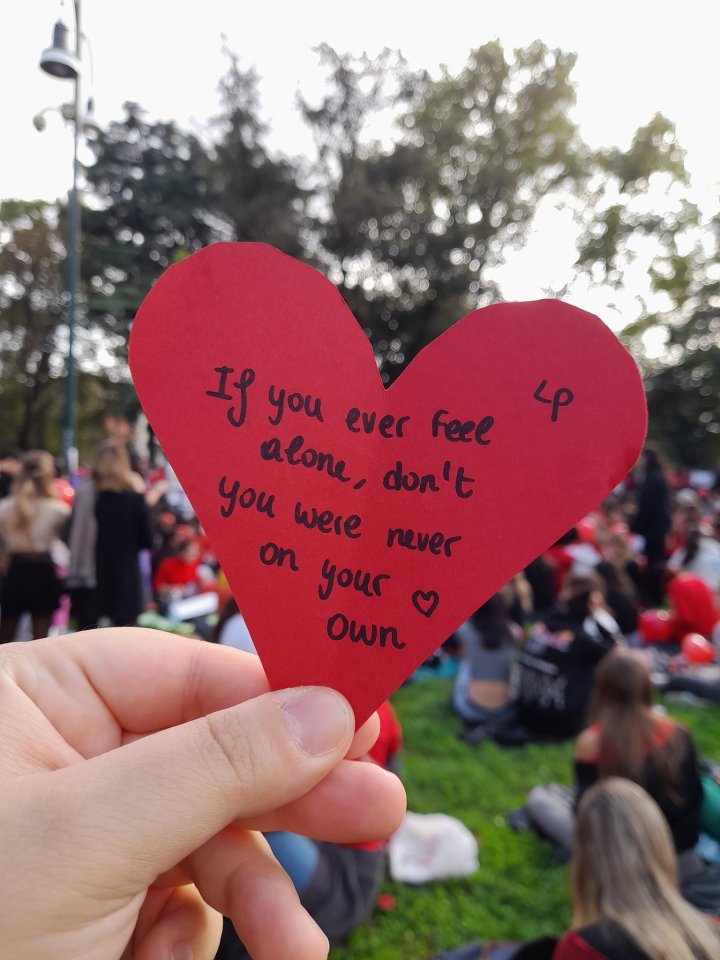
x,y
138,810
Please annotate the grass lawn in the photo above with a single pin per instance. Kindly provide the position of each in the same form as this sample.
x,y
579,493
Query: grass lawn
x,y
519,891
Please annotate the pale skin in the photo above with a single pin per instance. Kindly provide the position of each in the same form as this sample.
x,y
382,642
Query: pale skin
x,y
135,767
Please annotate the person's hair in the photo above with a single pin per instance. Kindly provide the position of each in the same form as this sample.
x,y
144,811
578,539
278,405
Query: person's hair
x,y
692,545
578,588
570,536
622,709
228,611
653,460
10,452
33,483
625,869
112,467
615,573
492,621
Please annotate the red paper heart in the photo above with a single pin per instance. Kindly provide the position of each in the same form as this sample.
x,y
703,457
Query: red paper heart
x,y
500,435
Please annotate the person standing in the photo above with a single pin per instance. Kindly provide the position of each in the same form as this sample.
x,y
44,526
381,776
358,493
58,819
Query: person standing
x,y
32,519
110,526
653,520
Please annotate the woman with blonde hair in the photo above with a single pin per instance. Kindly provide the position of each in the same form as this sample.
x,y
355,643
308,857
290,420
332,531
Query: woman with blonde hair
x,y
627,738
626,901
31,521
110,526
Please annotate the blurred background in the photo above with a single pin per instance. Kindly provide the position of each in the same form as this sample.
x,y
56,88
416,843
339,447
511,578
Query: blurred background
x,y
427,159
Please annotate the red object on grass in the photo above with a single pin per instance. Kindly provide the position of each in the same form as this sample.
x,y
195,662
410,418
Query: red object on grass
x,y
693,605
696,649
386,902
655,626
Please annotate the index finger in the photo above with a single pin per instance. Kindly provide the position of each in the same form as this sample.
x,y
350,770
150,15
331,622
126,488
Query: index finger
x,y
102,688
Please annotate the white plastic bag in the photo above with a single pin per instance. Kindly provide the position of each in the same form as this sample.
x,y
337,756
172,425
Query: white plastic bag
x,y
432,846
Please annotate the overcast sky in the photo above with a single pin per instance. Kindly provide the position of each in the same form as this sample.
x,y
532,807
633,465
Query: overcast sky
x,y
634,58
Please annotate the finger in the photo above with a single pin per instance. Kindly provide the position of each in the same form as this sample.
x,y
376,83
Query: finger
x,y
365,737
354,803
102,688
363,740
176,925
165,795
96,685
238,875
357,802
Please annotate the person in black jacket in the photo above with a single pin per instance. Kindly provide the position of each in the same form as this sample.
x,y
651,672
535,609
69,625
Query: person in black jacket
x,y
557,663
653,520
117,527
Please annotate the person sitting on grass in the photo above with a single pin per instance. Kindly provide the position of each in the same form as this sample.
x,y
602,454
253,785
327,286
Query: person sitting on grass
x,y
628,739
558,661
482,685
626,902
178,573
620,574
624,881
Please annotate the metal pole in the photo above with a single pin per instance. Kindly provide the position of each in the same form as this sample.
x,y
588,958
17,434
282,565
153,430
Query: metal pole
x,y
73,274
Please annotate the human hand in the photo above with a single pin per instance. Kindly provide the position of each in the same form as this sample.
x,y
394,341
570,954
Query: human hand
x,y
134,765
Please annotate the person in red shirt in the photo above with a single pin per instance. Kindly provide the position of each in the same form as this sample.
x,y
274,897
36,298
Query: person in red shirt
x,y
692,605
179,572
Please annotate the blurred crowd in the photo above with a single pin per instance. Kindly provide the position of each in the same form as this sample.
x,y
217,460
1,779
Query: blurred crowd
x,y
626,601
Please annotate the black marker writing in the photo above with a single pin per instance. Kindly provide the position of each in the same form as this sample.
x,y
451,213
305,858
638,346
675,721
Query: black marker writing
x,y
221,392
339,627
425,601
387,426
458,431
436,543
397,478
297,455
561,398
326,521
366,583
235,416
246,499
295,403
274,556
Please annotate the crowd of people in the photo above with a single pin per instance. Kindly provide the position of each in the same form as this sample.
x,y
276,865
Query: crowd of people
x,y
571,648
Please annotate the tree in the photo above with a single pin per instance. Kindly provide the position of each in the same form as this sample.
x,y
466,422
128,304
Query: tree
x,y
413,230
32,330
683,383
254,196
147,208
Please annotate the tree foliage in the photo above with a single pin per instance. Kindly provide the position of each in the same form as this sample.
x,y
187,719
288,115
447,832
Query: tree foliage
x,y
683,384
32,304
147,207
421,187
413,230
253,195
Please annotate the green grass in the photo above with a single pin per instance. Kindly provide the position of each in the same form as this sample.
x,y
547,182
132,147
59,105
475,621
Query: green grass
x,y
519,891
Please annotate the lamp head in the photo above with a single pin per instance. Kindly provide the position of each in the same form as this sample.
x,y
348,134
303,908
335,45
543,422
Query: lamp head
x,y
58,60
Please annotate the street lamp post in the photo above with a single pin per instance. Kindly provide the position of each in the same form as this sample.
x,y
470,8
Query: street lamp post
x,y
58,61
